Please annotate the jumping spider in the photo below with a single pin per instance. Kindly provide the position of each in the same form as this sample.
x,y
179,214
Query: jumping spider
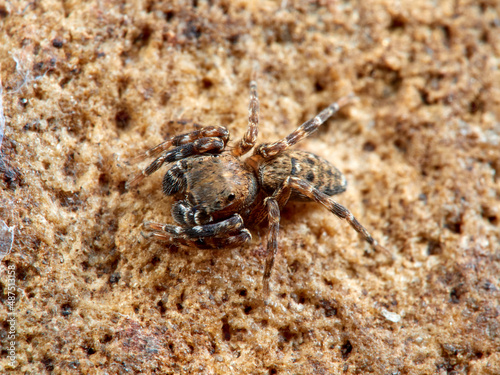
x,y
217,193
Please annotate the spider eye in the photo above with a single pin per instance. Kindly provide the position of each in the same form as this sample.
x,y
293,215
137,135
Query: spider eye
x,y
231,197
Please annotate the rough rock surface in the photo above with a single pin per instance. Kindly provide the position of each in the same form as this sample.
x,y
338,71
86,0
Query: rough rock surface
x,y
88,85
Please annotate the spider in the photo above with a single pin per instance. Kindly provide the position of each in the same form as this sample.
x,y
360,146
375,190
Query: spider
x,y
217,194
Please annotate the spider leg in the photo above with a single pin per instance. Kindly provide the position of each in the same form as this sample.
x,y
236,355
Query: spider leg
x,y
273,211
221,228
250,137
307,189
279,199
269,150
182,139
208,243
212,145
223,234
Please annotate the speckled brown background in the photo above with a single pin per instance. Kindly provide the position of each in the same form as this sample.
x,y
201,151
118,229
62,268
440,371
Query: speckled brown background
x,y
90,84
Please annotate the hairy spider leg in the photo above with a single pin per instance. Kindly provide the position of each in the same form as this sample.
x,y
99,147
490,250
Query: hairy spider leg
x,y
278,201
273,212
224,234
212,145
207,243
248,141
219,229
269,150
179,140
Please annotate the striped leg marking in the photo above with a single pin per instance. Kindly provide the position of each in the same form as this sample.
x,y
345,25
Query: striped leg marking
x,y
250,137
270,150
200,146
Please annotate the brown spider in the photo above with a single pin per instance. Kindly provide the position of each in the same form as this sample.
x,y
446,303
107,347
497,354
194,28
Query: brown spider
x,y
217,193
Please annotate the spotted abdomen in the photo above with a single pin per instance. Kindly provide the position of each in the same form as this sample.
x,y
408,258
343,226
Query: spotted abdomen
x,y
304,165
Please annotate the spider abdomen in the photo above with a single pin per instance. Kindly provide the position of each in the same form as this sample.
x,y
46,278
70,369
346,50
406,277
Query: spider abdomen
x,y
305,165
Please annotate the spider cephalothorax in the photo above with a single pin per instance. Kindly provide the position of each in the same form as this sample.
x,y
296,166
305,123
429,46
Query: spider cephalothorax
x,y
217,194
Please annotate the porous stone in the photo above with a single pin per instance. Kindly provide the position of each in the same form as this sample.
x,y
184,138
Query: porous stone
x,y
88,85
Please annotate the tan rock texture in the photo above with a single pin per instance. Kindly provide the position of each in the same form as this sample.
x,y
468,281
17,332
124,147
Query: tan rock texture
x,y
88,85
